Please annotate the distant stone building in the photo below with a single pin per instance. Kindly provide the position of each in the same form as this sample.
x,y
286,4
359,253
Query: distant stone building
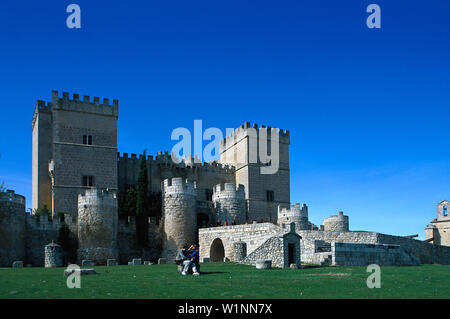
x,y
438,231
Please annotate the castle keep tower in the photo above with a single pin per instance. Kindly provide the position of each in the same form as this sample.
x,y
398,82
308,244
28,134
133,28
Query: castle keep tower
x,y
74,147
97,225
229,203
296,215
264,190
336,222
179,216
12,228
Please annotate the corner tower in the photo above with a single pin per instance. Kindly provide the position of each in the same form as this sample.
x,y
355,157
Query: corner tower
x,y
74,148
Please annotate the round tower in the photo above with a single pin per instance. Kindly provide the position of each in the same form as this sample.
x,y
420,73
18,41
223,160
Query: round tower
x,y
296,215
97,225
12,228
229,203
336,222
179,216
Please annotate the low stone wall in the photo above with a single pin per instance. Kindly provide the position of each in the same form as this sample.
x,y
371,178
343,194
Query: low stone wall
x,y
352,254
312,238
427,253
254,235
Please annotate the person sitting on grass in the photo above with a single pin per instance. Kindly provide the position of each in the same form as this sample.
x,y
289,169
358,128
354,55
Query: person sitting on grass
x,y
182,255
193,262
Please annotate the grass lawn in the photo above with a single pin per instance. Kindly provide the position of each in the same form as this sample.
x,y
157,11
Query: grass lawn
x,y
228,280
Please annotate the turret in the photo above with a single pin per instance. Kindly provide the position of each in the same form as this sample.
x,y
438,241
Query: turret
x,y
296,215
229,203
336,222
97,225
179,216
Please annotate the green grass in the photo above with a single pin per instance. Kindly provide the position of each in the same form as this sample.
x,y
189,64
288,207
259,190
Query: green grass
x,y
228,280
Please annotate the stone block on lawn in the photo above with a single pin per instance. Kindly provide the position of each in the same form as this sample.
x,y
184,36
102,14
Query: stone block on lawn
x,y
137,261
293,266
162,261
17,264
263,264
130,263
87,263
111,262
147,262
205,260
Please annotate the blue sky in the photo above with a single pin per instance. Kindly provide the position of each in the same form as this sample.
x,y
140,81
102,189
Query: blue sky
x,y
367,109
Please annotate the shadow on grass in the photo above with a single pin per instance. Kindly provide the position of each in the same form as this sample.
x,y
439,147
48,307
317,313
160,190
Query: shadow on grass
x,y
214,272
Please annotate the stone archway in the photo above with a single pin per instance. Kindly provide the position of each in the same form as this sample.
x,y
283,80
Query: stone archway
x,y
216,252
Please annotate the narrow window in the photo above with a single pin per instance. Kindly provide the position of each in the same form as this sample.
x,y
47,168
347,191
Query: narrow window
x,y
88,181
269,196
444,210
84,139
90,140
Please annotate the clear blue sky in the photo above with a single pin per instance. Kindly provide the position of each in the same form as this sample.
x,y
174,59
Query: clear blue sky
x,y
367,109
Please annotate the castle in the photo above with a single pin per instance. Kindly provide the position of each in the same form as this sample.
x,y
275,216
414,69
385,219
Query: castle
x,y
228,206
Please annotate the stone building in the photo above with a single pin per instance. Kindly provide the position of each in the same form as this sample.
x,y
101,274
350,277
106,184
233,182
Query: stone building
x,y
438,231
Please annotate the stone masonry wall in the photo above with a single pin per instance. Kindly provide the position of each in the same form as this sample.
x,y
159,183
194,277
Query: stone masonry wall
x,y
352,254
254,235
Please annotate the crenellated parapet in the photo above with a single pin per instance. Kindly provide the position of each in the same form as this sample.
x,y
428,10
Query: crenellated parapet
x,y
178,185
296,214
85,105
253,131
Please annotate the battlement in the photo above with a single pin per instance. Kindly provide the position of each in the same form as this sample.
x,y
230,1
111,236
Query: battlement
x,y
228,190
248,129
178,185
11,196
41,107
85,105
43,223
294,211
164,159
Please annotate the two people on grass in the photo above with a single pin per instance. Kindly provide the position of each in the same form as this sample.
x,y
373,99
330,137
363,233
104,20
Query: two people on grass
x,y
189,258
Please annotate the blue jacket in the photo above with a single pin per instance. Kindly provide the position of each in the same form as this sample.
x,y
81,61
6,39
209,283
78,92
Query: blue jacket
x,y
196,256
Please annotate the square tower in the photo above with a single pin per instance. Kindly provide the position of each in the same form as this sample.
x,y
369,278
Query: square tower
x,y
264,190
74,148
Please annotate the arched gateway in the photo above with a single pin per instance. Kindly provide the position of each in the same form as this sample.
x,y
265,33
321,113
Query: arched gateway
x,y
217,252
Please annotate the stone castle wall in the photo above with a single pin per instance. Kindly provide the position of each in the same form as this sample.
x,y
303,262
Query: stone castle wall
x,y
127,242
12,228
40,233
352,254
